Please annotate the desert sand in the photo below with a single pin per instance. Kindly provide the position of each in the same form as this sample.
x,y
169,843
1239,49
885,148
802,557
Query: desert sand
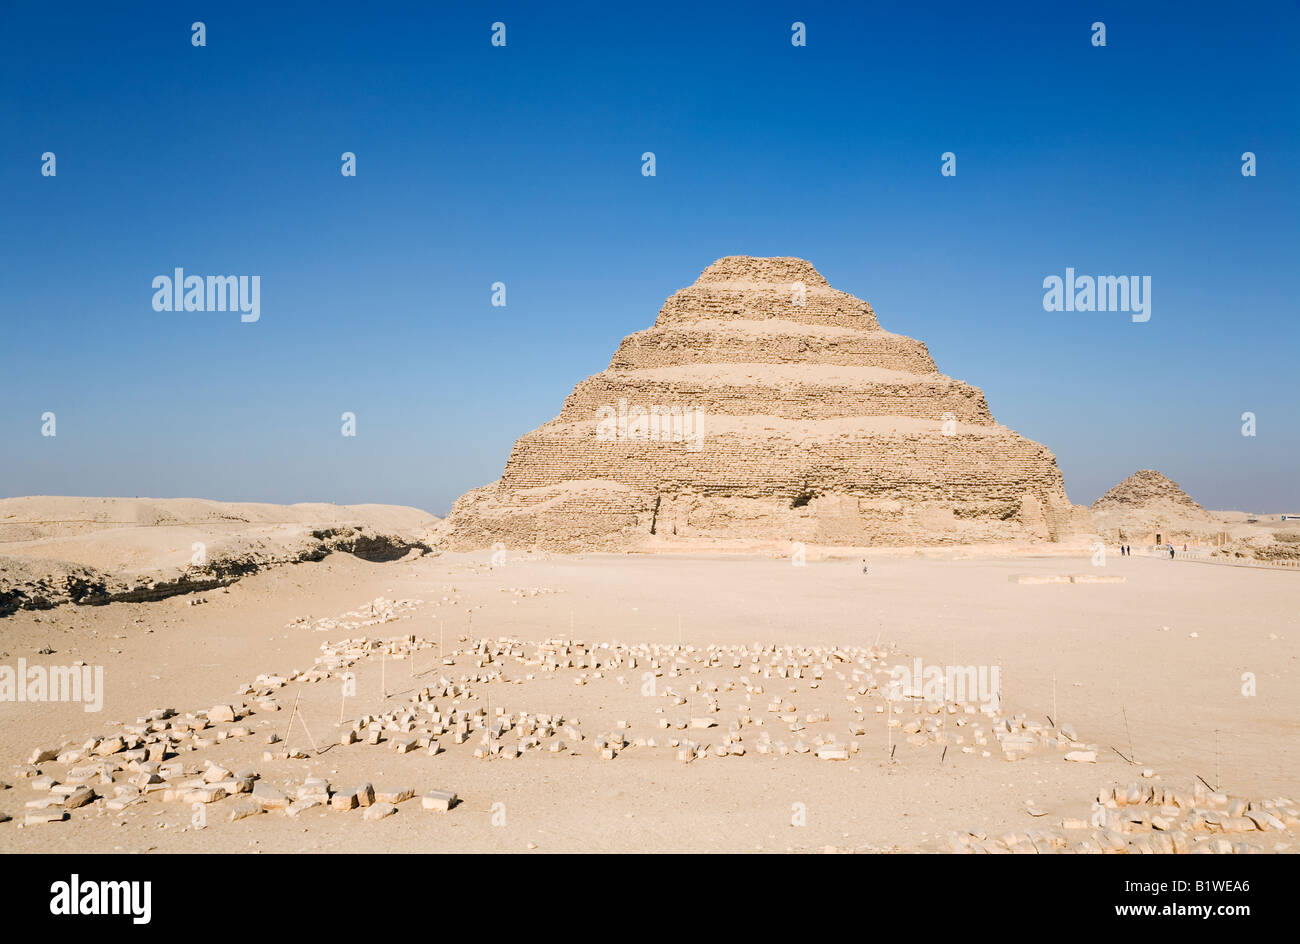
x,y
1150,668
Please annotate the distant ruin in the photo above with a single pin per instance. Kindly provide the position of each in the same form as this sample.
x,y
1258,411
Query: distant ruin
x,y
1149,508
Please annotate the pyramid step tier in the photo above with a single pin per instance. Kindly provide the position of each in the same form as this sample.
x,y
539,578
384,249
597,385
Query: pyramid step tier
x,y
597,515
756,342
997,466
826,307
800,396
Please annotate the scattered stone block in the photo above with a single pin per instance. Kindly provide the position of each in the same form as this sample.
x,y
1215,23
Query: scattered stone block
x,y
405,745
215,773
206,794
269,796
244,808
45,816
439,800
109,746
302,804
315,788
79,797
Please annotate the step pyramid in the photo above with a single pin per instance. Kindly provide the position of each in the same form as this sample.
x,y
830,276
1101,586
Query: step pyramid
x,y
766,406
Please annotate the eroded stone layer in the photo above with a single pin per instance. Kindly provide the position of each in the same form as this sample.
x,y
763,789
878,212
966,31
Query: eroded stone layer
x,y
765,406
773,342
802,393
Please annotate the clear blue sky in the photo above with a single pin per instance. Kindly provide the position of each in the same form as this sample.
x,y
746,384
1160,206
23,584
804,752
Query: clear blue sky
x,y
522,164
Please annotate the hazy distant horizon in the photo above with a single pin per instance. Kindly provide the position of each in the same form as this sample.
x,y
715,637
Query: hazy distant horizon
x,y
442,513
522,165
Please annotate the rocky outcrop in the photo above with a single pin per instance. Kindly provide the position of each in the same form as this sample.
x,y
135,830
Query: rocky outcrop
x,y
88,551
766,406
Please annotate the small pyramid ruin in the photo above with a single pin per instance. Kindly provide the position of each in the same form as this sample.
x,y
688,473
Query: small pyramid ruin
x,y
765,406
1144,488
1151,508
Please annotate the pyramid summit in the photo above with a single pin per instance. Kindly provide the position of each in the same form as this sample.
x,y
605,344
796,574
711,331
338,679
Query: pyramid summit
x,y
765,406
781,271
745,288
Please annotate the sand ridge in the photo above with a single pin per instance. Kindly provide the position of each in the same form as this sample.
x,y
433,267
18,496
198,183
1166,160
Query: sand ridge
x,y
56,550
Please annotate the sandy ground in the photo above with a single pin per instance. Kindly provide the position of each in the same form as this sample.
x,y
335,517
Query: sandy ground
x,y
1152,667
